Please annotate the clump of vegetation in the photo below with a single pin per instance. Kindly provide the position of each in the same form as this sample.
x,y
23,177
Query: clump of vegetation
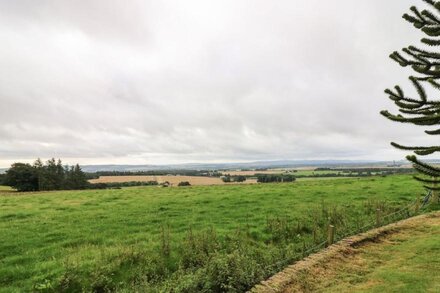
x,y
165,184
229,179
184,183
271,178
50,176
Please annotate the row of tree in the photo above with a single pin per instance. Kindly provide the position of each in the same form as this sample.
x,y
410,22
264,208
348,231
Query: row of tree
x,y
229,179
271,178
52,175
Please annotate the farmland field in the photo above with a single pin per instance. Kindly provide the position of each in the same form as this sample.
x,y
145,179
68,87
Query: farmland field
x,y
252,173
173,180
199,238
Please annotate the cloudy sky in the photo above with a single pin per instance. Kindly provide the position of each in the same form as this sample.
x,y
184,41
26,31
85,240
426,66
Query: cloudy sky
x,y
151,82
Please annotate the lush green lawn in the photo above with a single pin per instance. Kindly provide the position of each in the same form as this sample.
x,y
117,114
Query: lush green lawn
x,y
202,238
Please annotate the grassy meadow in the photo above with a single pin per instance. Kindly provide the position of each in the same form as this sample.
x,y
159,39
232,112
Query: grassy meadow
x,y
199,238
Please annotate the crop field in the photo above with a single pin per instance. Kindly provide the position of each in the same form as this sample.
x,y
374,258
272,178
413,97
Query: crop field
x,y
191,239
173,180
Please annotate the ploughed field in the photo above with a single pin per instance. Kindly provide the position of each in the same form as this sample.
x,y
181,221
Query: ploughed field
x,y
189,239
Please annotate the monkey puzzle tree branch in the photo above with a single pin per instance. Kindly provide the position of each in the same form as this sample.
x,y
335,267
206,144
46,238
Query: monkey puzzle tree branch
x,y
421,110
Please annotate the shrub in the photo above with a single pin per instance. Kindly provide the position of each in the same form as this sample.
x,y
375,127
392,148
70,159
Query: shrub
x,y
184,183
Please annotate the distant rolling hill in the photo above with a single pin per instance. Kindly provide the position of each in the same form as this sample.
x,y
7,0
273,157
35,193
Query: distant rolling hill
x,y
246,165
249,165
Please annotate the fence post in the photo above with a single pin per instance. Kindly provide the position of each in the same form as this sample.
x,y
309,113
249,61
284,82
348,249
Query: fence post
x,y
330,235
378,218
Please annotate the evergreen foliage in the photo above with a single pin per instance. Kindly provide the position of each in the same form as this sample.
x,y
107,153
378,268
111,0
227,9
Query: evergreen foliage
x,y
22,177
271,178
420,110
50,176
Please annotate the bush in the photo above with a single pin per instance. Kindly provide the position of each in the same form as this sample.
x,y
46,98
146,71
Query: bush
x,y
184,183
22,177
234,272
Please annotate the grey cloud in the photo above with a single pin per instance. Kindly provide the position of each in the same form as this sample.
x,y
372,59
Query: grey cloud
x,y
180,81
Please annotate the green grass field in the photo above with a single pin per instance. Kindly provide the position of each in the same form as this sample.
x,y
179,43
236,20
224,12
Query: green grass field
x,y
203,238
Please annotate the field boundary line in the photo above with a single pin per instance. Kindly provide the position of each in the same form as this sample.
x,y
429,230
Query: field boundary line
x,y
280,281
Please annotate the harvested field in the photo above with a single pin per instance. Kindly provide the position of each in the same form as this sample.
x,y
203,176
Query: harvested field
x,y
173,180
252,173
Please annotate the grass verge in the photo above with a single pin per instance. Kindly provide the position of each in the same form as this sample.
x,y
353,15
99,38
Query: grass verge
x,y
402,257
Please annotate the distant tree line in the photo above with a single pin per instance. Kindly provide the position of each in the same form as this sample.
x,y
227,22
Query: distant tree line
x,y
117,185
272,178
52,175
229,179
371,170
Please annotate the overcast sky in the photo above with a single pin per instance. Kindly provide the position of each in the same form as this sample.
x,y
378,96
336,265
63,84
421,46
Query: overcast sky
x,y
151,82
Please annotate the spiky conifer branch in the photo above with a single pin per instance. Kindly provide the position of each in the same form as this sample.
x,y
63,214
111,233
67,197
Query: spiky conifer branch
x,y
420,110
